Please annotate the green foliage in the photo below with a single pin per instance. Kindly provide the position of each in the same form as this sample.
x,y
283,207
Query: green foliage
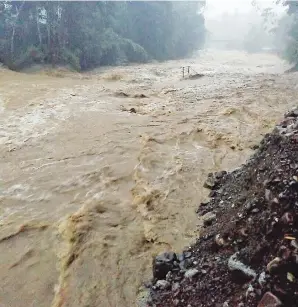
x,y
134,52
89,34
69,57
188,34
291,52
28,57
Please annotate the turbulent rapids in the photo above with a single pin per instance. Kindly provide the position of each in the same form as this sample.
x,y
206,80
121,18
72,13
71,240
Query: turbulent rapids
x,y
103,170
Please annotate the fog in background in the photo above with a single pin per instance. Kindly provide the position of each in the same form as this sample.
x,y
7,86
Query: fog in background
x,y
240,24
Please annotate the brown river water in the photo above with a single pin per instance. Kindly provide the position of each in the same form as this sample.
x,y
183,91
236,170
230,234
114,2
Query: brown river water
x,y
90,192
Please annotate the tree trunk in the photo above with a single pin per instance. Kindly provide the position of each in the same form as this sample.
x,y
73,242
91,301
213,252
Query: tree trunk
x,y
14,30
37,25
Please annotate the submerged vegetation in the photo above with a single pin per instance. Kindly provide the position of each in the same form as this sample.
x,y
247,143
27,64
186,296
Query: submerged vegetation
x,y
89,34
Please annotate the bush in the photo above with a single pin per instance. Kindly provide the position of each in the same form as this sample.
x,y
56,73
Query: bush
x,y
69,57
30,56
291,52
134,52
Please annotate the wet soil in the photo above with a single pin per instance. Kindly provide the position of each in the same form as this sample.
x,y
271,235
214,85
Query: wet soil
x,y
247,253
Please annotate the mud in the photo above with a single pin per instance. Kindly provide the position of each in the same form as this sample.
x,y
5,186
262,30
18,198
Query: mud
x,y
90,191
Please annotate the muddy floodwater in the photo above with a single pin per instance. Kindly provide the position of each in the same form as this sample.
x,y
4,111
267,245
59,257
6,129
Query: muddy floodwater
x,y
103,170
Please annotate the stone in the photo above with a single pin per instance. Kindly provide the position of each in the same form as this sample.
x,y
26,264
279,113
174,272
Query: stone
x,y
221,174
244,272
185,264
162,284
287,218
169,276
204,203
269,300
180,257
121,94
262,279
210,182
219,240
140,96
212,194
191,273
292,113
268,195
162,264
273,264
208,218
187,254
175,286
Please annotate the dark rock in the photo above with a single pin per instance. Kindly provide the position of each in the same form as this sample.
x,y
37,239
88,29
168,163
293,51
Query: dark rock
x,y
204,203
162,264
284,252
121,94
248,206
140,96
185,264
132,110
212,194
220,175
269,300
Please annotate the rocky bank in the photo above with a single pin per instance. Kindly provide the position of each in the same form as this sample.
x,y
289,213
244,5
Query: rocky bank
x,y
247,253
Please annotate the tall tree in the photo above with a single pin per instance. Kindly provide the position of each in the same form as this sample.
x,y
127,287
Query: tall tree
x,y
88,34
291,52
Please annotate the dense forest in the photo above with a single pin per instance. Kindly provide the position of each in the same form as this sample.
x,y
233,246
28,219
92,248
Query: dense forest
x,y
292,48
89,34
